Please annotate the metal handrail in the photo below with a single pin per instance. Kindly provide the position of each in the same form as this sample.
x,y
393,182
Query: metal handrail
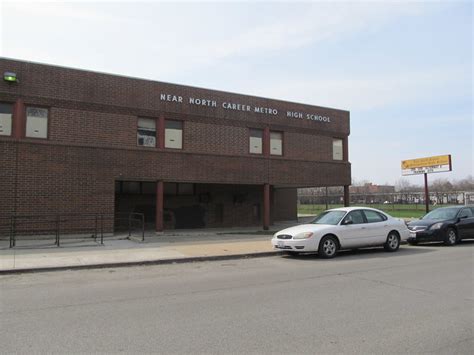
x,y
66,223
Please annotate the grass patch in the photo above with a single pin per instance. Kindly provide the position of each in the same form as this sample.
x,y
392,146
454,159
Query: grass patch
x,y
395,210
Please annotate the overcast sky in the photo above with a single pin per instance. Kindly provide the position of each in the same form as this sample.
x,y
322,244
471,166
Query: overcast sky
x,y
403,69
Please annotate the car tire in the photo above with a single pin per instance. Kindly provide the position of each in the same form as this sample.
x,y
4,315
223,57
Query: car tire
x,y
328,247
451,236
393,242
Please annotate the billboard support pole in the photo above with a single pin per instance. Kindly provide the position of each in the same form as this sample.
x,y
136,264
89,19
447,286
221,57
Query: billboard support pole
x,y
427,196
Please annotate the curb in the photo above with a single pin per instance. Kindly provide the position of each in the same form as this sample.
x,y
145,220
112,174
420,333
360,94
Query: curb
x,y
143,263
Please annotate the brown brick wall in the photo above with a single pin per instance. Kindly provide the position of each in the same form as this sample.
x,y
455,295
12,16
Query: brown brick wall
x,y
92,128
61,178
308,147
7,176
92,142
50,84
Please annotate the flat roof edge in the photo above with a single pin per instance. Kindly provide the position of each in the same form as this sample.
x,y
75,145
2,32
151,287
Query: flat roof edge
x,y
168,83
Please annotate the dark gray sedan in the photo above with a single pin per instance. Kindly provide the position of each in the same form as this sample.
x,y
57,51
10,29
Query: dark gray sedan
x,y
445,224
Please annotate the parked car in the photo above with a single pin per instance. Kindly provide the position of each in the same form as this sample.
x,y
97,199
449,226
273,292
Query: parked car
x,y
444,224
343,228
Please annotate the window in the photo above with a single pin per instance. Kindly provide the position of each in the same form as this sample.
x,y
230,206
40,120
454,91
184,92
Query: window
x,y
276,143
256,141
148,188
185,189
337,149
466,212
170,188
6,111
374,217
174,134
131,187
173,188
135,187
146,132
36,122
356,217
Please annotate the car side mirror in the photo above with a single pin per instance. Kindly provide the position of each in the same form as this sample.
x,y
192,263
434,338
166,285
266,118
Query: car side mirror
x,y
462,217
347,222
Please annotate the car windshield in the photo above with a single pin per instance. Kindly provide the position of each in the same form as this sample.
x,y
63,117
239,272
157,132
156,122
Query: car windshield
x,y
442,213
329,217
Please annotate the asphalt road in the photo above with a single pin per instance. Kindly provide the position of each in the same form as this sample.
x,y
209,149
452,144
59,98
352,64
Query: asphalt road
x,y
418,300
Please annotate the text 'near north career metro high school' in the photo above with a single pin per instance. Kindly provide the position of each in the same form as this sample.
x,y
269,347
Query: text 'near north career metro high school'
x,y
243,107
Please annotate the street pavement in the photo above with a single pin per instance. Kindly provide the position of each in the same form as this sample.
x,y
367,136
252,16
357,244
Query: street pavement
x,y
417,300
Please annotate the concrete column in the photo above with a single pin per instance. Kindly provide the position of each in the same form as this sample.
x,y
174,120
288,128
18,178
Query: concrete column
x,y
159,206
160,132
346,196
266,206
19,124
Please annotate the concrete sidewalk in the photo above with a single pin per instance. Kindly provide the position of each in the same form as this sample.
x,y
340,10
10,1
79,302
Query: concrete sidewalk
x,y
170,247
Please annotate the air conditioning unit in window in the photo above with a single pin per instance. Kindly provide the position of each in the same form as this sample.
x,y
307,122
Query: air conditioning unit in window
x,y
146,141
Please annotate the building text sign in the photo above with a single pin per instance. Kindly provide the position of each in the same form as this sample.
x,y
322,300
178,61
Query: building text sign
x,y
436,164
239,106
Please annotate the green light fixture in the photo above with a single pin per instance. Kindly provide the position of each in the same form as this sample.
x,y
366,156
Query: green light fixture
x,y
10,77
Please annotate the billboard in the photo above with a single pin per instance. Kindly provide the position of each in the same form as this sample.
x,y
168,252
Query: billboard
x,y
436,164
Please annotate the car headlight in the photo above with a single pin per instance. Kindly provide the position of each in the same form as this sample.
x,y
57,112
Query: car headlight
x,y
304,235
436,226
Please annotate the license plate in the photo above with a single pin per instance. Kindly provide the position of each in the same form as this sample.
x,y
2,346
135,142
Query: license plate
x,y
413,235
281,244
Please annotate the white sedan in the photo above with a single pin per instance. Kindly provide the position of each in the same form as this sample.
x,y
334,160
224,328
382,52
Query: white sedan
x,y
343,228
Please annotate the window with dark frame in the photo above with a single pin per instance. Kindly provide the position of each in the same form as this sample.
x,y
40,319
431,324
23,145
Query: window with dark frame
x,y
173,134
276,143
146,132
374,217
6,114
175,189
170,188
135,187
256,141
185,189
36,122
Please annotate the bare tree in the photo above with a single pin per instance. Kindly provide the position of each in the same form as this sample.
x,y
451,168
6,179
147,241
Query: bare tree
x,y
403,185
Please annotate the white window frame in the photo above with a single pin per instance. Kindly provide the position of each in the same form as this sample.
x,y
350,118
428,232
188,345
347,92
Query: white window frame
x,y
276,143
255,143
6,119
37,122
174,136
337,149
146,131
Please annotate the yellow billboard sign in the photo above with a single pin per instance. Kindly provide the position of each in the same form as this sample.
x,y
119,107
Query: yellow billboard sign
x,y
436,164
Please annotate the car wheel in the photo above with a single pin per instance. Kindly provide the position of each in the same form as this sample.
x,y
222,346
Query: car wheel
x,y
328,247
451,237
393,242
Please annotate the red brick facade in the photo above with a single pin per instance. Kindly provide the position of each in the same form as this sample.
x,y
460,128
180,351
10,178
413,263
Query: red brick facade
x,y
92,143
